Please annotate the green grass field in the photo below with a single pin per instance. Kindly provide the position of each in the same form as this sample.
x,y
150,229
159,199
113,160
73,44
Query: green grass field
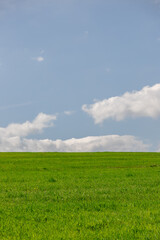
x,y
46,196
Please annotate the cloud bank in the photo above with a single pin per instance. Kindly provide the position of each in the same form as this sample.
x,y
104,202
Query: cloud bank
x,y
143,103
13,139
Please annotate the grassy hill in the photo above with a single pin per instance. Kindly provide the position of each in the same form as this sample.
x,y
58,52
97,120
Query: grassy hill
x,y
92,196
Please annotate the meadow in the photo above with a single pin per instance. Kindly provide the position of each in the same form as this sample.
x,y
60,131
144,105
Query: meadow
x,y
92,196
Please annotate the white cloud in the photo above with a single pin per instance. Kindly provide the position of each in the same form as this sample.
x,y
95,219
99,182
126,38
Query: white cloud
x,y
14,106
68,112
114,143
39,59
21,130
13,139
143,103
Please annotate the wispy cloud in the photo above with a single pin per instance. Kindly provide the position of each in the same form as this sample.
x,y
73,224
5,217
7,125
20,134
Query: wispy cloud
x,y
13,139
143,103
68,113
15,106
39,59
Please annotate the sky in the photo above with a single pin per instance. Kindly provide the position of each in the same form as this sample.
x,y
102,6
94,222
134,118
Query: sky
x,y
79,75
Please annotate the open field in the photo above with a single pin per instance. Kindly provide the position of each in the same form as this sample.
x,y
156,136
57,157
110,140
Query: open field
x,y
46,196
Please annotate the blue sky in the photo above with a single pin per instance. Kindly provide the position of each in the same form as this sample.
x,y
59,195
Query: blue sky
x,y
64,64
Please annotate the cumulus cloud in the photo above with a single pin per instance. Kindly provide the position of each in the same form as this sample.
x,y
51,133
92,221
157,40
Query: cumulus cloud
x,y
22,130
114,143
143,103
13,139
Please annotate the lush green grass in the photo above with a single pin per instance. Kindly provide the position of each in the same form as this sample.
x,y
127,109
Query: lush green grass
x,y
46,196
